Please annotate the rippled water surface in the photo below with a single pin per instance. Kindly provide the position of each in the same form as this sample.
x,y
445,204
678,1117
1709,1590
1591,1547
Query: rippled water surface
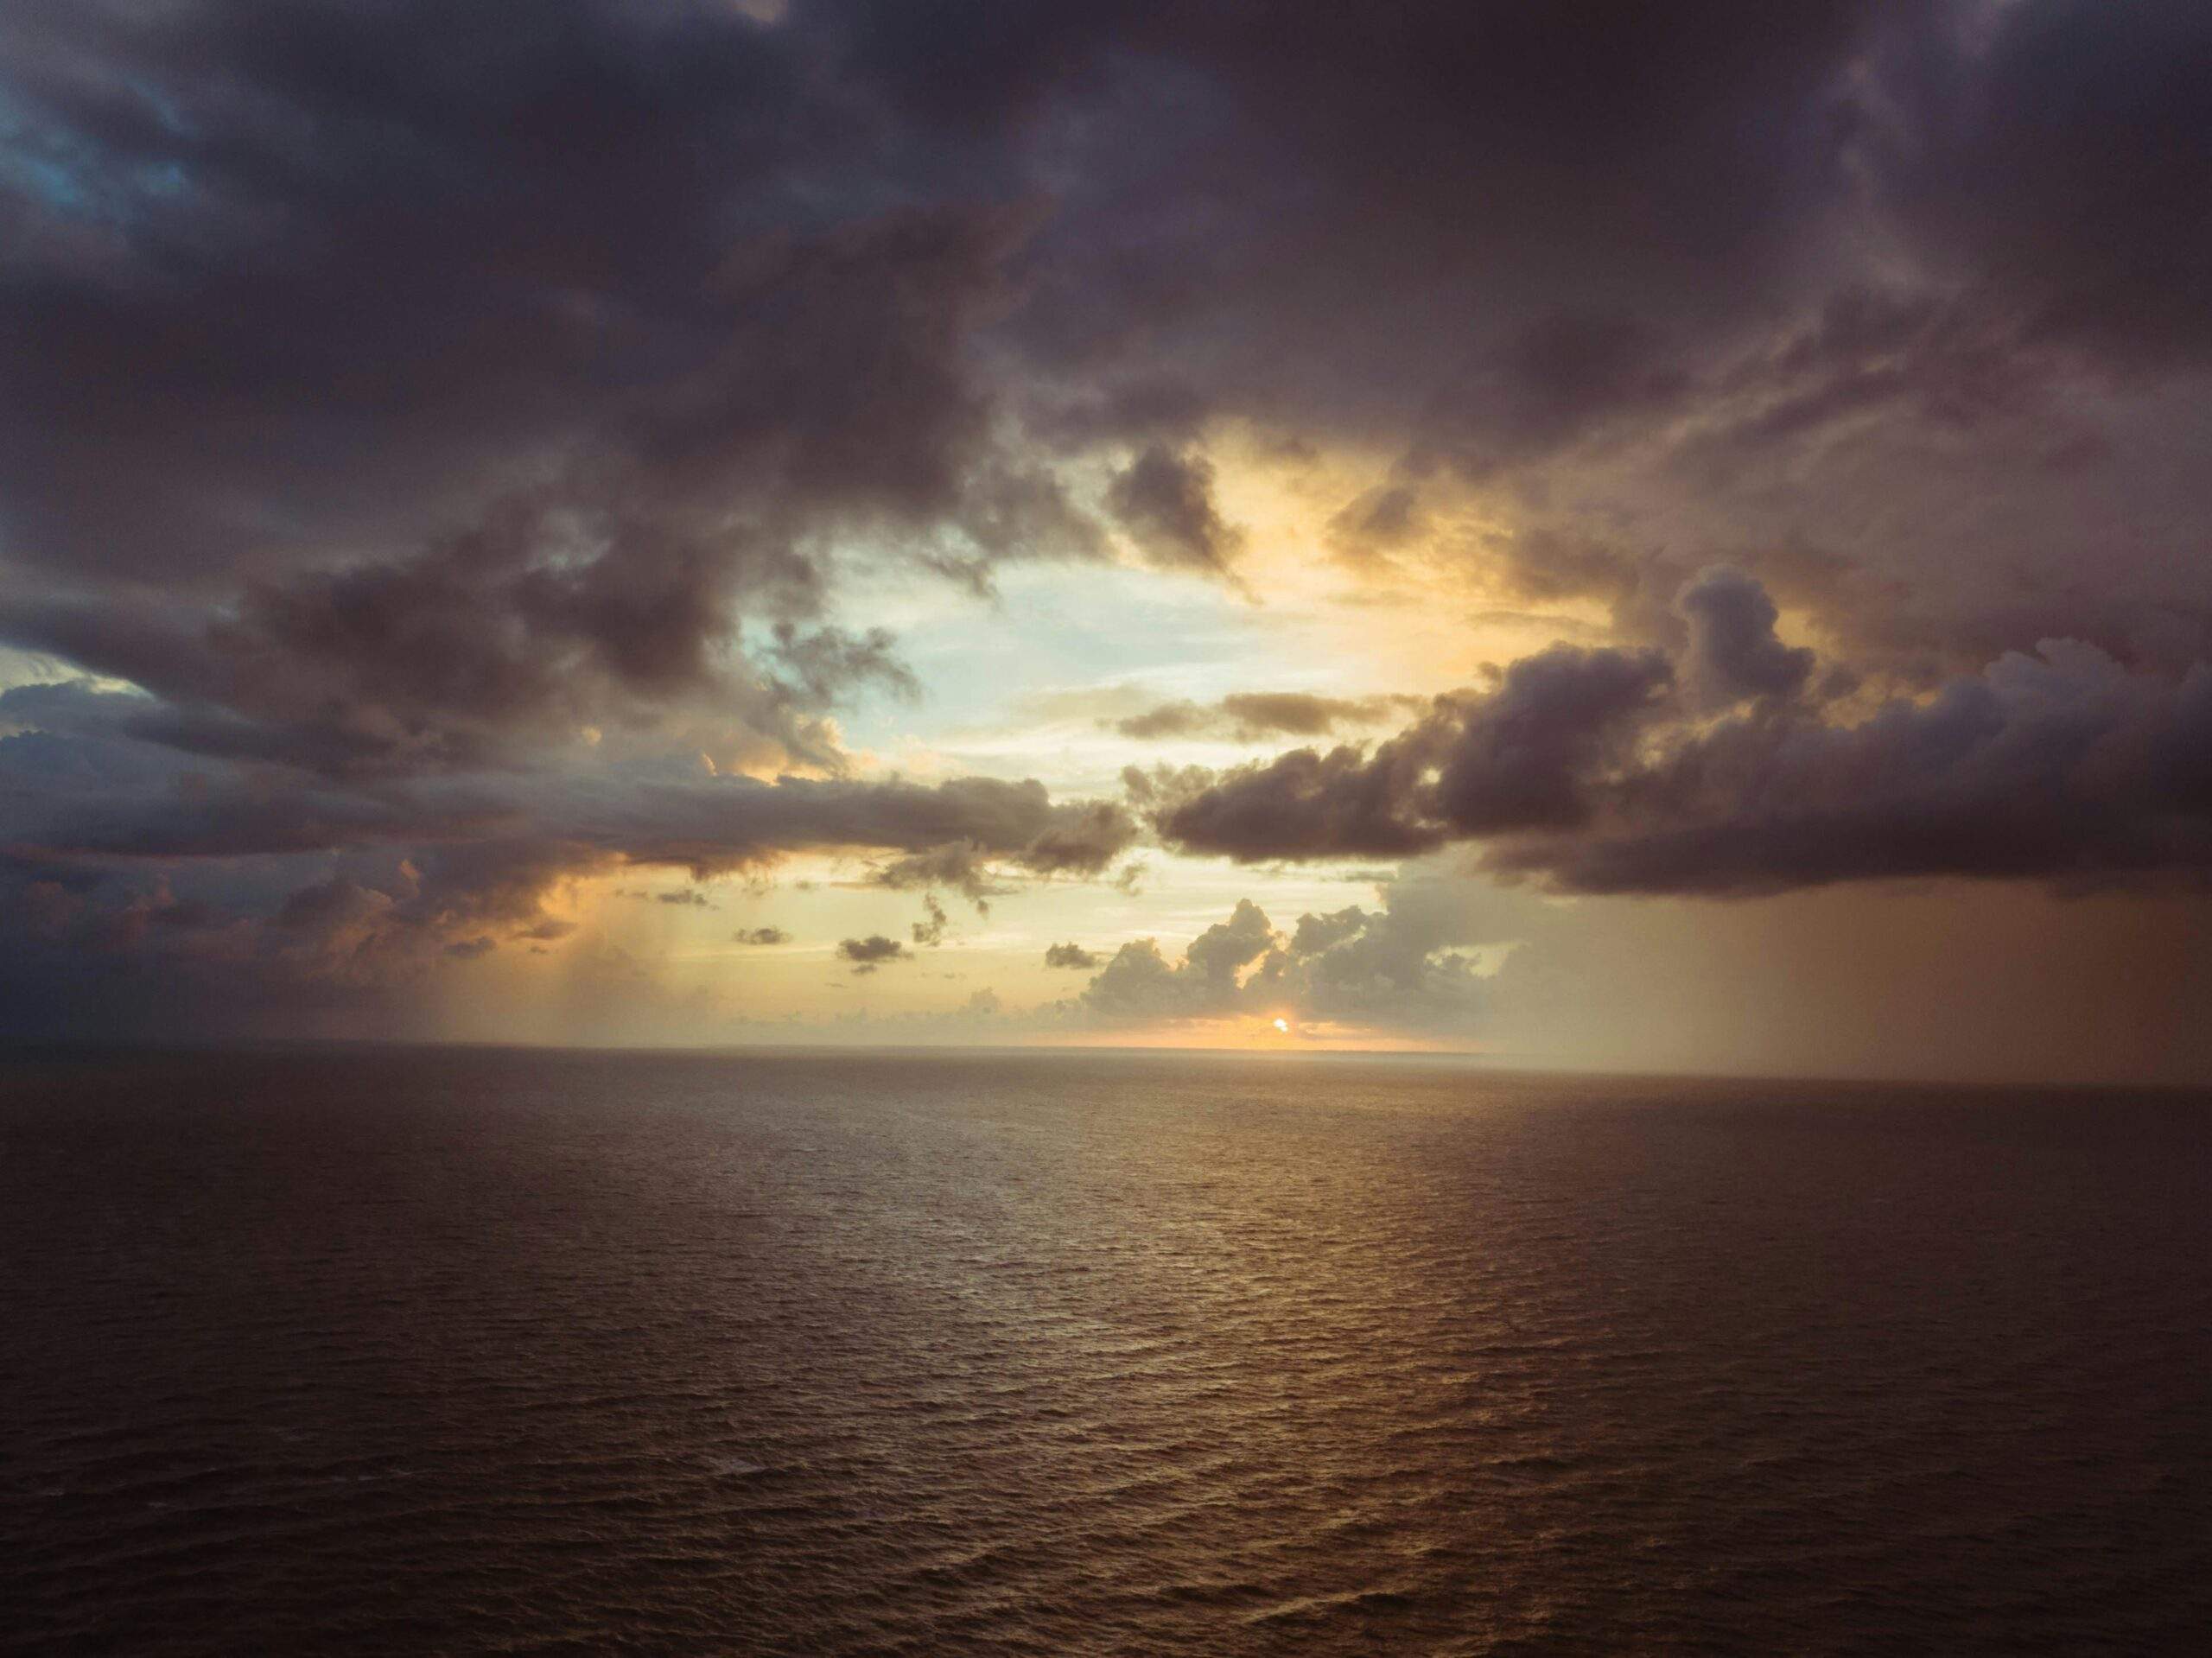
x,y
475,1352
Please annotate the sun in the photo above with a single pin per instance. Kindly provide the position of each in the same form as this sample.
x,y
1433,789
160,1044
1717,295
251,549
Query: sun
x,y
1283,1025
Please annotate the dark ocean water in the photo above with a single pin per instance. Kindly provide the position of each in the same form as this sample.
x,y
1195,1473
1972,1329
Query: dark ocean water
x,y
479,1352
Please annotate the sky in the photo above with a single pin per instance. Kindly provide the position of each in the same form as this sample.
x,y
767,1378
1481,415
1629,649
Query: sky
x,y
1603,535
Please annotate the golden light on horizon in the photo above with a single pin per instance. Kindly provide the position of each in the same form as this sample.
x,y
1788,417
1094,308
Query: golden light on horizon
x,y
1283,1025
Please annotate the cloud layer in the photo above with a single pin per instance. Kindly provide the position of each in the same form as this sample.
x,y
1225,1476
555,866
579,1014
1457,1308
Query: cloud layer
x,y
450,453
1718,770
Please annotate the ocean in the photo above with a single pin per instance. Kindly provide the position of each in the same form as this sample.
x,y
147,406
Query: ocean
x,y
477,1351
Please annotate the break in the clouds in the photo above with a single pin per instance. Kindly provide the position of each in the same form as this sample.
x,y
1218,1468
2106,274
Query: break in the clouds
x,y
455,456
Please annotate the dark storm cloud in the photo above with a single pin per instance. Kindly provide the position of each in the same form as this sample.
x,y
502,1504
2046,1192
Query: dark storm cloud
x,y
2061,767
476,378
1563,377
1597,770
1523,756
1246,716
364,269
2067,159
355,266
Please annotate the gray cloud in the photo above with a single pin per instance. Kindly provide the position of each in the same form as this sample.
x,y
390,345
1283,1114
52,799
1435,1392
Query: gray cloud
x,y
1246,716
288,885
1593,770
1166,502
963,866
1138,983
1072,955
1734,653
866,955
761,937
1523,756
1407,966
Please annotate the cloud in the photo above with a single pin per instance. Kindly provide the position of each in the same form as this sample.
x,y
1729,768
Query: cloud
x,y
2071,141
1165,503
962,865
2061,767
1080,839
1406,967
1138,983
447,452
1377,522
1521,756
930,928
870,953
1246,716
761,936
1072,955
1734,653
298,880
1594,771
1345,804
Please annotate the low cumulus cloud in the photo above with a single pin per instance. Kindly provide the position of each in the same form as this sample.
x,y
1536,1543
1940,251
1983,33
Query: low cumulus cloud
x,y
1071,956
1408,965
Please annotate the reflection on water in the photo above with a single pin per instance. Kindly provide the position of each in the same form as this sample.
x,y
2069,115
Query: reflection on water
x,y
466,1352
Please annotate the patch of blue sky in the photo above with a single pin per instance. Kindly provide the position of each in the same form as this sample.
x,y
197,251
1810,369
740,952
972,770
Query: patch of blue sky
x,y
1058,627
68,175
